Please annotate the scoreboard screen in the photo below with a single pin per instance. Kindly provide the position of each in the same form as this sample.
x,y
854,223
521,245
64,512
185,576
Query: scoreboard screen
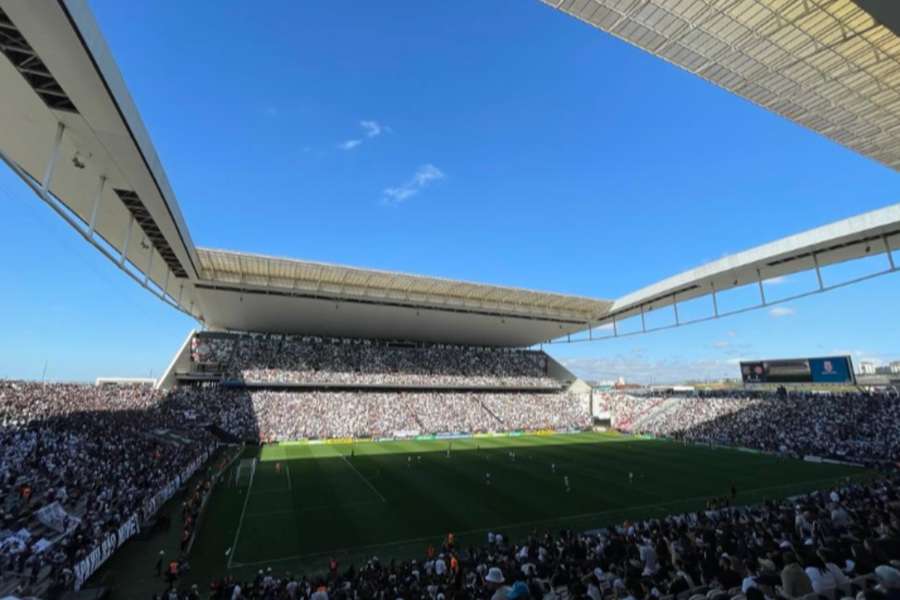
x,y
829,369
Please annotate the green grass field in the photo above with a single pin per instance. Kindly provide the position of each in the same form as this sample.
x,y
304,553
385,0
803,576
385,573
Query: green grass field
x,y
310,502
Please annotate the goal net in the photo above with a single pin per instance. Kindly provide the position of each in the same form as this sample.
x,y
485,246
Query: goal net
x,y
243,475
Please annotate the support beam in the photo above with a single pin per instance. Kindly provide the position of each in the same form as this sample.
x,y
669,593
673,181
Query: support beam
x,y
75,223
818,271
93,223
715,300
887,248
54,157
149,266
643,320
127,240
762,291
675,308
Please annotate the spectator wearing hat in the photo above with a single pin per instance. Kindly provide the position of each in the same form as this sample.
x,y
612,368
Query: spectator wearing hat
x,y
518,591
494,581
888,581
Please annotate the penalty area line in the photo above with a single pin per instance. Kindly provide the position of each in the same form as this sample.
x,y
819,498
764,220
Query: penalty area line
x,y
360,475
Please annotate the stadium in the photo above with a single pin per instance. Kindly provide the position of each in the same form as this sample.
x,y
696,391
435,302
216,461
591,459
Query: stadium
x,y
331,431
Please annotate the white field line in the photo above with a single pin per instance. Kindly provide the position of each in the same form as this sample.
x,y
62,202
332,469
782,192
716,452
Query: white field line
x,y
360,475
237,534
344,551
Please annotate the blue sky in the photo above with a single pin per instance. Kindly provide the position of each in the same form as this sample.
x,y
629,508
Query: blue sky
x,y
501,142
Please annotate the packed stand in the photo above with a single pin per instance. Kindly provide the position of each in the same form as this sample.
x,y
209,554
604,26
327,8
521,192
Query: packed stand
x,y
281,359
291,415
625,408
851,426
544,411
838,543
76,461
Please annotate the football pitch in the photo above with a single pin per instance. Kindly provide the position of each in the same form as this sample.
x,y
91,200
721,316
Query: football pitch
x,y
307,502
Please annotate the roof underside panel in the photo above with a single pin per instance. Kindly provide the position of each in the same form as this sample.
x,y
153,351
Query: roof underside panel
x,y
826,64
235,273
274,311
103,140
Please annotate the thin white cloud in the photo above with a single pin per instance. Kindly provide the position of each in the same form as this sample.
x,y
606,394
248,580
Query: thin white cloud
x,y
782,311
776,280
374,128
423,177
371,129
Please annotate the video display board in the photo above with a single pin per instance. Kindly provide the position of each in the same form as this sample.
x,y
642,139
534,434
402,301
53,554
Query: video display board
x,y
828,369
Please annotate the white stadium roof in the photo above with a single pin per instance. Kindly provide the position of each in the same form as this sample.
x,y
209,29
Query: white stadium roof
x,y
826,64
70,130
869,234
262,293
224,268
58,71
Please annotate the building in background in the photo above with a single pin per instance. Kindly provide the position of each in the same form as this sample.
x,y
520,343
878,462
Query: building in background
x,y
867,368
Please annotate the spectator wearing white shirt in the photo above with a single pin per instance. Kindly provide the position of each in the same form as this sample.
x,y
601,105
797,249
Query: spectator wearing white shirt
x,y
440,566
822,579
648,557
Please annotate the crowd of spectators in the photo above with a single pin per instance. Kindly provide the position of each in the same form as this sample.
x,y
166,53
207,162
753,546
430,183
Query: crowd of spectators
x,y
857,426
270,359
76,461
833,544
290,415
